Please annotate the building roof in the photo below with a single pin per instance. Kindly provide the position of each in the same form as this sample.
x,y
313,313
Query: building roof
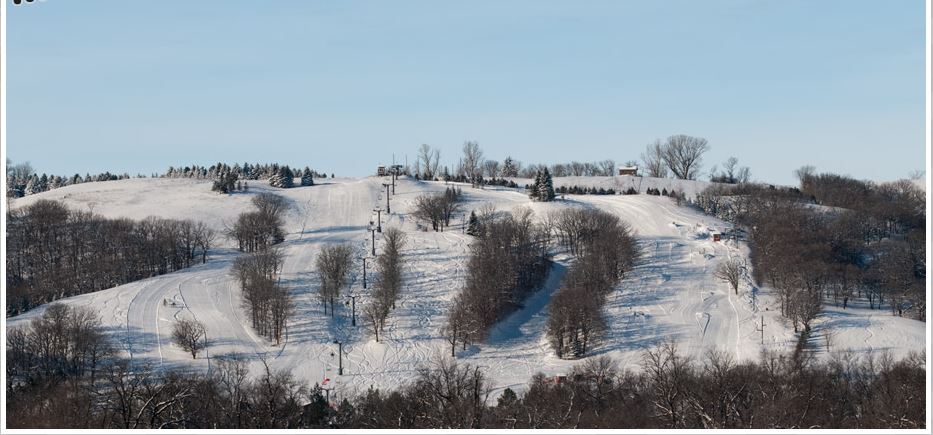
x,y
631,168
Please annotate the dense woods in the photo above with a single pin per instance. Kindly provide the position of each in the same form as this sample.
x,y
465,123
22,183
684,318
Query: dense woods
x,y
605,250
62,373
831,240
508,259
267,301
54,252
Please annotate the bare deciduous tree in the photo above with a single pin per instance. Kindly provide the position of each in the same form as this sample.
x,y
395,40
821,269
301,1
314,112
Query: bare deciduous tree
x,y
472,161
683,155
333,267
607,168
438,209
730,271
653,159
190,335
427,162
491,168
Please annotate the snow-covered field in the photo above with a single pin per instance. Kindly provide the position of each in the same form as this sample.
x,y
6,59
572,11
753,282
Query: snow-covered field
x,y
672,295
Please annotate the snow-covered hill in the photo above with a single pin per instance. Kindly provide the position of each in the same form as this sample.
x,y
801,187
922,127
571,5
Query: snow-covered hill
x,y
672,295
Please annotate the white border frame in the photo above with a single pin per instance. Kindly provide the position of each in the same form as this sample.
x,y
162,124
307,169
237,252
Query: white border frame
x,y
3,145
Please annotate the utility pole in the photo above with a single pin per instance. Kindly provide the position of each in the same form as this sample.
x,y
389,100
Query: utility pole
x,y
762,329
379,220
395,172
373,229
353,303
339,357
364,273
388,210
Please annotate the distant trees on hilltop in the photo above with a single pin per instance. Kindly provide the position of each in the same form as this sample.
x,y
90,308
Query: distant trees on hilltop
x,y
22,180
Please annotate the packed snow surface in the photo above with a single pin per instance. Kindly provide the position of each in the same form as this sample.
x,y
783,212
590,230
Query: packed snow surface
x,y
671,295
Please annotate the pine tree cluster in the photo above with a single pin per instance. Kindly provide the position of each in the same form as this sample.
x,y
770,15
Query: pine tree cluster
x,y
662,192
577,190
19,186
246,171
543,187
284,178
307,177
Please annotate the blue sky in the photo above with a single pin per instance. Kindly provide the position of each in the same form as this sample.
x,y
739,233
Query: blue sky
x,y
138,86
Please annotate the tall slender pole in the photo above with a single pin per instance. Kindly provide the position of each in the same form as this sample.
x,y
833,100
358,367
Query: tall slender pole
x,y
379,219
353,321
388,210
340,358
364,272
762,329
374,241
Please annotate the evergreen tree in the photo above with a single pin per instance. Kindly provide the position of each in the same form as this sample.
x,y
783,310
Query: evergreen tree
x,y
288,177
545,187
275,180
32,185
225,183
509,168
307,177
535,189
283,178
473,227
43,183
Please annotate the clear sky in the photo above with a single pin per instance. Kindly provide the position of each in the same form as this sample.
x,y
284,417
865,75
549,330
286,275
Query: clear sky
x,y
340,85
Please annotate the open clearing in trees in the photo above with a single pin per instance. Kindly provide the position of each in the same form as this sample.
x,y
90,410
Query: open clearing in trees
x,y
672,295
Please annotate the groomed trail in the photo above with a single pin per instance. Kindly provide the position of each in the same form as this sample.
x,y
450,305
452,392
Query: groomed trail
x,y
671,295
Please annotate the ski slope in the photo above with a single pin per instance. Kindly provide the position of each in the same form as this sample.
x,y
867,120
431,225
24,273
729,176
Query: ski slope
x,y
671,295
